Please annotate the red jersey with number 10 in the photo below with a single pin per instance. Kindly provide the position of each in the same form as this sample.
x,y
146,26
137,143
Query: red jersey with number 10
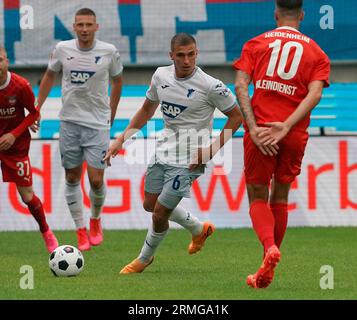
x,y
282,63
15,96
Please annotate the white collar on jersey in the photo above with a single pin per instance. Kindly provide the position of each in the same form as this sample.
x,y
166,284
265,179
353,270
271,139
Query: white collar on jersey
x,y
8,79
289,28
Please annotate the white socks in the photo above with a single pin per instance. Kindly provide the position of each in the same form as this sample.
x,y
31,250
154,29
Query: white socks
x,y
186,220
151,243
74,200
97,197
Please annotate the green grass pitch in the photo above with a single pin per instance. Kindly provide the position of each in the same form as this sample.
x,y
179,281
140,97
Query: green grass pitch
x,y
217,272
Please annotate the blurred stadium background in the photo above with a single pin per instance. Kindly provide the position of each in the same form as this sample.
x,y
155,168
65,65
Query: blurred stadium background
x,y
323,195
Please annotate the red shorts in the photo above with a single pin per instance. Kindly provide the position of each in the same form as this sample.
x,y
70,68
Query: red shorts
x,y
16,168
285,166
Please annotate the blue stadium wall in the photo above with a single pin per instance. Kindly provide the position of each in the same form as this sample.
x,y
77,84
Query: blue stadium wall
x,y
142,29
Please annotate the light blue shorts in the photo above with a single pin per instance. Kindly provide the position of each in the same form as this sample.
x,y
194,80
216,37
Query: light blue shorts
x,y
165,179
78,143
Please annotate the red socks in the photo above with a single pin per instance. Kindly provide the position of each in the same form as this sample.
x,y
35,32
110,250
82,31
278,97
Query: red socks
x,y
263,222
280,212
36,209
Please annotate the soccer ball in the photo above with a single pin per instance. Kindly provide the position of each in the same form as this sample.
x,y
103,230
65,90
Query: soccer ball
x,y
66,261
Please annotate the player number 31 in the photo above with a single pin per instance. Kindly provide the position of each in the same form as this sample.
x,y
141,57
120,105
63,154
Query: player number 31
x,y
22,167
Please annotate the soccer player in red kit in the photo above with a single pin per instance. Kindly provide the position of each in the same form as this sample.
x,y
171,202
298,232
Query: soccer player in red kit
x,y
289,71
15,96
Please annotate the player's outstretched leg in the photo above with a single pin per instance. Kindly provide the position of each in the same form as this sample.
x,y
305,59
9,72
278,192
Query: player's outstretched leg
x,y
156,233
146,256
265,274
199,240
200,231
35,207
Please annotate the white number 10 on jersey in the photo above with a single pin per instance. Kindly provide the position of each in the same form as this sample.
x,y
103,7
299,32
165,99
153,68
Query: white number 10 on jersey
x,y
276,45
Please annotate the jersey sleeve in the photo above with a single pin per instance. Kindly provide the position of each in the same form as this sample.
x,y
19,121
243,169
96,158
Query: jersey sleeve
x,y
151,93
322,70
115,66
55,63
246,61
221,97
28,101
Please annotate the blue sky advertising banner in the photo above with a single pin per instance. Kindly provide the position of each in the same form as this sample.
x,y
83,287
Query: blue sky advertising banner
x,y
142,29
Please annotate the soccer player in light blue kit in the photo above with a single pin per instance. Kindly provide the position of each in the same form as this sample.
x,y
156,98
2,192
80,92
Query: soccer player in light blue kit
x,y
188,98
86,116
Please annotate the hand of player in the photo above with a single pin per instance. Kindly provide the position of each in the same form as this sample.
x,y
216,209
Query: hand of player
x,y
113,150
276,132
201,157
259,136
36,125
6,141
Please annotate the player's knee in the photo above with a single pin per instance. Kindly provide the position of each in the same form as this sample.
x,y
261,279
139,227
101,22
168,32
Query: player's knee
x,y
71,179
258,192
96,183
148,206
26,196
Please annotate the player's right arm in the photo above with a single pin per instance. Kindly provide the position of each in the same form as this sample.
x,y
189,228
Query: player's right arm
x,y
45,88
46,85
47,82
141,117
278,130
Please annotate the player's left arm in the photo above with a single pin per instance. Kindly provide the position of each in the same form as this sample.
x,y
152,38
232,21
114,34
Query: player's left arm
x,y
28,101
242,82
278,130
115,95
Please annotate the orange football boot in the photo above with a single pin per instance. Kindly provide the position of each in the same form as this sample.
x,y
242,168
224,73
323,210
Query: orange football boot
x,y
198,241
136,266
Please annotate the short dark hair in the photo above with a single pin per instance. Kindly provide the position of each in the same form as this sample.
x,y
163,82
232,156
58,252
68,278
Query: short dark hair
x,y
289,4
290,8
85,12
182,39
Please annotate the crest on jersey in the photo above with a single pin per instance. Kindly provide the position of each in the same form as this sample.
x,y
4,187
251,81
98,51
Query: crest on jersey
x,y
224,92
11,100
172,110
189,92
98,60
80,77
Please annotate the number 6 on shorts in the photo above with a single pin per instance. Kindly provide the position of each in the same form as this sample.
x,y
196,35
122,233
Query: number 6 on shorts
x,y
176,184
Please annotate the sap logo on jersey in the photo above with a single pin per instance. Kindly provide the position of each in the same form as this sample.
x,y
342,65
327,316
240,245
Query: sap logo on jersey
x,y
80,77
7,111
171,110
